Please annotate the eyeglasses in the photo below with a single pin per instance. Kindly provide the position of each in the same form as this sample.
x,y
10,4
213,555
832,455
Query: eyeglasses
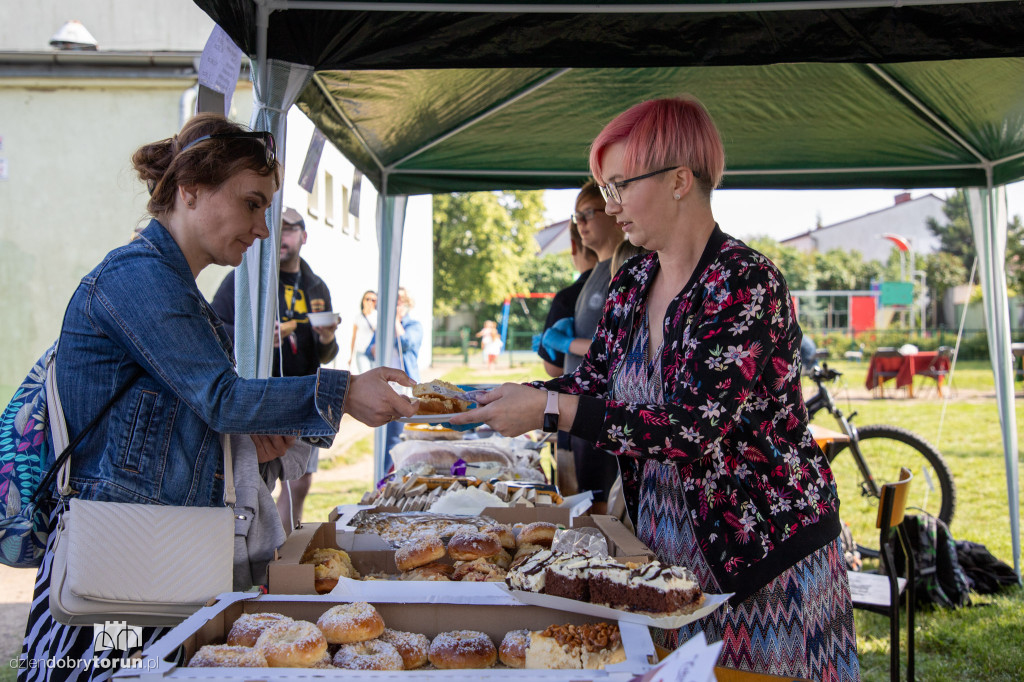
x,y
263,136
584,216
610,192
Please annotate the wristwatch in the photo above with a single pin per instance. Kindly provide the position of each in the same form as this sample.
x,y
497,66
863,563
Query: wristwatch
x,y
551,413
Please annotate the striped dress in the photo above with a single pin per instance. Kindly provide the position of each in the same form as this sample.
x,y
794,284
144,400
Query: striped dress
x,y
55,652
800,624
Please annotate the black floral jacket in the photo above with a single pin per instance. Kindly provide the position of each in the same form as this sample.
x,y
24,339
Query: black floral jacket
x,y
759,490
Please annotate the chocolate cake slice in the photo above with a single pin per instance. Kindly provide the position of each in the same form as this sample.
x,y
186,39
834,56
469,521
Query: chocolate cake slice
x,y
568,577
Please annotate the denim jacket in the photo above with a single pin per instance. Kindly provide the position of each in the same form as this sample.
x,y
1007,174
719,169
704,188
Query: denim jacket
x,y
159,443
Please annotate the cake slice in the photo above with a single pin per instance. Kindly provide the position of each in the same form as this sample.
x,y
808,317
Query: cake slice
x,y
573,647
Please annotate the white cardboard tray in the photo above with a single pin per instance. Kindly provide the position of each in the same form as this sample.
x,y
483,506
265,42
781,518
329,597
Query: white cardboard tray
x,y
711,602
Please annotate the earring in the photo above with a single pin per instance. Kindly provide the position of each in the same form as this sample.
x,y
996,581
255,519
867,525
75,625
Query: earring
x,y
676,197
192,203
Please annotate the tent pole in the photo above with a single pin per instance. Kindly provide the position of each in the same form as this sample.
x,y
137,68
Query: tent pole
x,y
390,223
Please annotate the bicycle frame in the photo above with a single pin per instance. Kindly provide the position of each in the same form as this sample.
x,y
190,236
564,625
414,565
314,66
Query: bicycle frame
x,y
823,401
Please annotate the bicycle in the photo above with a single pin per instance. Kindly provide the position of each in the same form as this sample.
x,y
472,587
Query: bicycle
x,y
876,454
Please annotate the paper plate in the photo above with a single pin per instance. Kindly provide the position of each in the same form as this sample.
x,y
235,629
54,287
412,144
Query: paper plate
x,y
427,418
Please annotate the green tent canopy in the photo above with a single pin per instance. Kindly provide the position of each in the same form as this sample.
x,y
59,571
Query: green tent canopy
x,y
435,96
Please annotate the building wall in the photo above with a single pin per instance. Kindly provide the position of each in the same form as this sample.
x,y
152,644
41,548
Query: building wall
x,y
116,24
71,195
864,233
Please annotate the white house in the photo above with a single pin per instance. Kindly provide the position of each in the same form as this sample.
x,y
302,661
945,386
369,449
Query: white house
x,y
907,218
69,122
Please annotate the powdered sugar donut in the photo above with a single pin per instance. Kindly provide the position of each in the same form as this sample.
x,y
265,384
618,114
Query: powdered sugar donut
x,y
292,644
513,648
411,646
431,571
461,649
371,655
348,623
474,545
224,656
419,551
503,533
539,533
249,626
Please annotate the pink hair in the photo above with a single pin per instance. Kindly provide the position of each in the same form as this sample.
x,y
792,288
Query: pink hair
x,y
664,132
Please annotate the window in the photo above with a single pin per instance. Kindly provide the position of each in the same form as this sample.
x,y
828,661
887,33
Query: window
x,y
328,198
345,226
313,202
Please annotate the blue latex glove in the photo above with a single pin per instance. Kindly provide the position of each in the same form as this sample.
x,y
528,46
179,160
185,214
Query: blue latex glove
x,y
535,343
559,336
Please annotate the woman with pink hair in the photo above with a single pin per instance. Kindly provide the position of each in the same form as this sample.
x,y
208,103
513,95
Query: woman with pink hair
x,y
693,381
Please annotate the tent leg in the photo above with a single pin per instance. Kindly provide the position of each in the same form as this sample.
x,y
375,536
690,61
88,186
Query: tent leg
x,y
390,225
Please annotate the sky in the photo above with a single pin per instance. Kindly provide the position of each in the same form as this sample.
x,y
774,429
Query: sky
x,y
780,214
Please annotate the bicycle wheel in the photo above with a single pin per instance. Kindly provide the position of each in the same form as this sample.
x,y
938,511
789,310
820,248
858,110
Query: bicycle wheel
x,y
885,449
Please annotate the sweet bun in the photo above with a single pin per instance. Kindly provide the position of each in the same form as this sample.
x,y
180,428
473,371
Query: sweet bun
x,y
249,626
371,655
513,648
348,623
439,397
471,545
539,533
292,644
411,646
479,571
225,656
433,571
419,551
329,564
504,535
462,649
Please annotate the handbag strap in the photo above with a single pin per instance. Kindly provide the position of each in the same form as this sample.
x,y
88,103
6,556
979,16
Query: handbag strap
x,y
59,433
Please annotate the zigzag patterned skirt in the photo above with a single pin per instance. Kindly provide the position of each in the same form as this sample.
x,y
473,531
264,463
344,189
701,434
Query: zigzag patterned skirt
x,y
800,624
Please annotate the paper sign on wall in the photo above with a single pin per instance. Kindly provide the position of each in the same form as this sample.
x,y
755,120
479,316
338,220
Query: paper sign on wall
x,y
219,65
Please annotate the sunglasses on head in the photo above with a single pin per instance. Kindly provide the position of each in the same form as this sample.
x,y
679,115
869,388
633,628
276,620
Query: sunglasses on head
x,y
262,137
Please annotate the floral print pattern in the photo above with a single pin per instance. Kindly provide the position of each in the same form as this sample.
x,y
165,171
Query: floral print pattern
x,y
732,420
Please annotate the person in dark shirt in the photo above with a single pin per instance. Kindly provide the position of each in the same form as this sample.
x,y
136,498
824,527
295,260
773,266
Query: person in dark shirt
x,y
300,347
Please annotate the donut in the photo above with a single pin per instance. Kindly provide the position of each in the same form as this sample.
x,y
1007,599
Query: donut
x,y
224,656
479,571
513,648
411,646
433,571
325,663
249,626
371,655
467,546
348,623
462,649
292,644
329,564
539,533
421,550
503,533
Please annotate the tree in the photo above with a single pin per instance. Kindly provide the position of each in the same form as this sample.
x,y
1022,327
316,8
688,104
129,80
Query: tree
x,y
481,242
955,237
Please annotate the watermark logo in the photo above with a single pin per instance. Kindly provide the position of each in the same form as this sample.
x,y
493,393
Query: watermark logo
x,y
115,635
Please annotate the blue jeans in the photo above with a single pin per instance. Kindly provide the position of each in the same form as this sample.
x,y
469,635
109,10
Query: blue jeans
x,y
394,431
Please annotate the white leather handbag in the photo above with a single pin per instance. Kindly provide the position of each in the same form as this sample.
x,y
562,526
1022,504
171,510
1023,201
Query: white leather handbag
x,y
143,564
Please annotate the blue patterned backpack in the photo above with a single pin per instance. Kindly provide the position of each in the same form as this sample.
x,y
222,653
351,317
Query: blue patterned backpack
x,y
24,460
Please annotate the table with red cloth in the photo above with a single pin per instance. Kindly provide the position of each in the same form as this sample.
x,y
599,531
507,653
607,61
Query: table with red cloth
x,y
905,366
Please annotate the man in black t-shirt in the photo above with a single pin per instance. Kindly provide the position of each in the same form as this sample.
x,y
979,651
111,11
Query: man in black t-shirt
x,y
300,347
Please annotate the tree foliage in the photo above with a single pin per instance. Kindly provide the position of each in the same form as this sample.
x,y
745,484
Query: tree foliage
x,y
482,240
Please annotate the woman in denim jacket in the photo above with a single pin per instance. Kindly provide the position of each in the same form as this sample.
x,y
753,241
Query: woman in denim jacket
x,y
693,381
139,318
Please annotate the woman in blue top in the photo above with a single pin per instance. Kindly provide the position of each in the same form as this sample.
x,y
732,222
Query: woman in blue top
x,y
139,318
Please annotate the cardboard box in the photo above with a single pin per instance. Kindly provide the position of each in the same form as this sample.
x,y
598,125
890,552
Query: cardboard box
x,y
211,624
287,576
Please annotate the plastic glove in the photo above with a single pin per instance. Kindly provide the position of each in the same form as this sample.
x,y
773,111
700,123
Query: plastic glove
x,y
559,336
535,343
